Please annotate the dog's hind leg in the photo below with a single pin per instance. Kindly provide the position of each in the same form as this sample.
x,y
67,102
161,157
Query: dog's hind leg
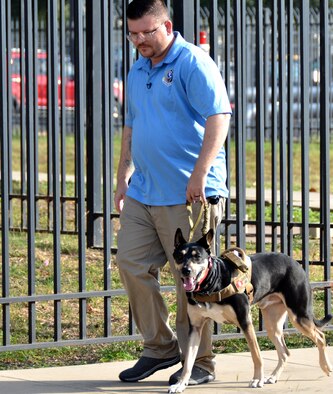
x,y
308,328
274,317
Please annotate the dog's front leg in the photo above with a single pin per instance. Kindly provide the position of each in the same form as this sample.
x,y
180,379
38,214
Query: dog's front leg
x,y
258,376
192,350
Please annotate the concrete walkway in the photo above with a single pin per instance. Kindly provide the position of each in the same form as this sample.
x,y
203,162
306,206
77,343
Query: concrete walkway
x,y
233,372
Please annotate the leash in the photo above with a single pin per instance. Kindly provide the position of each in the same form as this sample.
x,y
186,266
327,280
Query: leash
x,y
204,210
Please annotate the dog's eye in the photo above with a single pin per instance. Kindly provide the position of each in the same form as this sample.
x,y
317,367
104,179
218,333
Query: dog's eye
x,y
179,256
196,254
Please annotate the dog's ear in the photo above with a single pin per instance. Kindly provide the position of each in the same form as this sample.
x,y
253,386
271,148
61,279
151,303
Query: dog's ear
x,y
210,236
179,239
206,240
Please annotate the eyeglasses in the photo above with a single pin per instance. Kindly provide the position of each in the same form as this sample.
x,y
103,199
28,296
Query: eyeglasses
x,y
146,35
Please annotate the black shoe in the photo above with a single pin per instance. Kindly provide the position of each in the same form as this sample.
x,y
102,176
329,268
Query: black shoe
x,y
198,376
145,367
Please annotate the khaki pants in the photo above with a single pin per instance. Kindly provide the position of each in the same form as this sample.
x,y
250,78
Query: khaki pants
x,y
145,244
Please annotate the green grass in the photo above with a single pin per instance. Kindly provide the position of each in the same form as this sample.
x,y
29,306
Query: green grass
x,y
250,160
44,274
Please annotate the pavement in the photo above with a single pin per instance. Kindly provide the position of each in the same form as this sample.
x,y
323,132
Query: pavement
x,y
233,373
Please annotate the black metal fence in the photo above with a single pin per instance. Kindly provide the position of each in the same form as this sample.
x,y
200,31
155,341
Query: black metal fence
x,y
63,82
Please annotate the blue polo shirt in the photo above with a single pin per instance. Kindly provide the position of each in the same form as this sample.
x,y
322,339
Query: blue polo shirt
x,y
167,110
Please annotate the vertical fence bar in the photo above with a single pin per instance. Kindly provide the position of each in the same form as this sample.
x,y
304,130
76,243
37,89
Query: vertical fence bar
x,y
325,233
260,132
9,105
197,21
274,122
126,47
183,18
267,70
227,73
213,31
23,134
282,127
94,111
54,132
290,124
107,176
304,57
28,53
4,179
126,66
35,96
240,89
79,134
63,130
49,118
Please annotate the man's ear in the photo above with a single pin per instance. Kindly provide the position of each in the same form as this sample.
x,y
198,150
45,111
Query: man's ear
x,y
168,26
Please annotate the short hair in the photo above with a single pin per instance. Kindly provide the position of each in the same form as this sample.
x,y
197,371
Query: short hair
x,y
140,8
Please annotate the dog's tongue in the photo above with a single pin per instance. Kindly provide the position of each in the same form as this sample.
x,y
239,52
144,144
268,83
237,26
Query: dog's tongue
x,y
189,284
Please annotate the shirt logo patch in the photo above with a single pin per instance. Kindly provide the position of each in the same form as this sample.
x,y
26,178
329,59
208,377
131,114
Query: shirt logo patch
x,y
168,78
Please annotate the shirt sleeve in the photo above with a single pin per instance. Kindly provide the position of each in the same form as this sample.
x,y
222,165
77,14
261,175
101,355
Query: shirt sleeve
x,y
205,87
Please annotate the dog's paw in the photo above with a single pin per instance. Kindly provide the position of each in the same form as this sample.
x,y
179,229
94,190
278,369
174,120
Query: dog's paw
x,y
270,379
177,388
326,367
256,383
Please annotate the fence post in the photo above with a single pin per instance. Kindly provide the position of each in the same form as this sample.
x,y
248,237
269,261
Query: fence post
x,y
94,127
183,18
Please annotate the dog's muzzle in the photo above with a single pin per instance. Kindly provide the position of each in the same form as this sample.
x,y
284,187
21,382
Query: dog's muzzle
x,y
190,282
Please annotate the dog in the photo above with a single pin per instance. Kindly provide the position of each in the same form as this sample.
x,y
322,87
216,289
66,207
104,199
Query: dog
x,y
223,289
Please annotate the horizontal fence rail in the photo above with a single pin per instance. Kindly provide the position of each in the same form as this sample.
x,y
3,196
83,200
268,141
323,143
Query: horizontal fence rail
x,y
63,70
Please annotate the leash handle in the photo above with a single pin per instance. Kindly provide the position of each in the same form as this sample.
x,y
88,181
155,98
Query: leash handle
x,y
204,209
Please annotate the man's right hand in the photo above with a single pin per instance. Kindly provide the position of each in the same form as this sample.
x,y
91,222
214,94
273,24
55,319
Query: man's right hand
x,y
119,196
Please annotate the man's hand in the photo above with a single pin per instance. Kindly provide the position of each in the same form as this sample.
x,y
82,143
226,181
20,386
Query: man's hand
x,y
195,191
119,196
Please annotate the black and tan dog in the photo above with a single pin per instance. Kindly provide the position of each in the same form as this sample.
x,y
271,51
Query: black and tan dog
x,y
223,289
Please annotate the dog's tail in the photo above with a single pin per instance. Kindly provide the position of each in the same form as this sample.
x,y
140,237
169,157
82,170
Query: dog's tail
x,y
322,322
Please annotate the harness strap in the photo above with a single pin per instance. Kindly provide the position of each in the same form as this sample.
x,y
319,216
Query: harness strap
x,y
240,283
239,258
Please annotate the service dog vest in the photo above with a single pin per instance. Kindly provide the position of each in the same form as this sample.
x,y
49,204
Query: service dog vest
x,y
240,281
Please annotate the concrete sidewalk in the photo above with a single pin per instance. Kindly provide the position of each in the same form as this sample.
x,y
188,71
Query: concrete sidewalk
x,y
233,372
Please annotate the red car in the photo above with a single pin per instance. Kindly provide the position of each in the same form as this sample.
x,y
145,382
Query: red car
x,y
41,81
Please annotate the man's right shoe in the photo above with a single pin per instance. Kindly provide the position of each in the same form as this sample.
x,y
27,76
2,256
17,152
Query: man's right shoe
x,y
198,376
145,367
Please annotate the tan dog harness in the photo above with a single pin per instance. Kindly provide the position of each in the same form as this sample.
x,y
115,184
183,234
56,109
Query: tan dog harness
x,y
240,282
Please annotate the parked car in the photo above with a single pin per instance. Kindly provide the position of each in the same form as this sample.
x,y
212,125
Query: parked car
x,y
41,80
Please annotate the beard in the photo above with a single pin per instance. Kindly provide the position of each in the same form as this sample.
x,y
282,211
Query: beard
x,y
146,50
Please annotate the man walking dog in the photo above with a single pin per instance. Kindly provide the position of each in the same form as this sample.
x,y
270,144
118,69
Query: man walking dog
x,y
172,153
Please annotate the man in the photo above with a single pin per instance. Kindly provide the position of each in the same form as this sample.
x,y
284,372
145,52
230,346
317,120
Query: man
x,y
176,124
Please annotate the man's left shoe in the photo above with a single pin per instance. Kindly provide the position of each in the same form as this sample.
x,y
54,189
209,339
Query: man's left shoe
x,y
146,366
198,376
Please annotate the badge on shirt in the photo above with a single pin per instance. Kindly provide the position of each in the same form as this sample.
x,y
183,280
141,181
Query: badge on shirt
x,y
168,78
